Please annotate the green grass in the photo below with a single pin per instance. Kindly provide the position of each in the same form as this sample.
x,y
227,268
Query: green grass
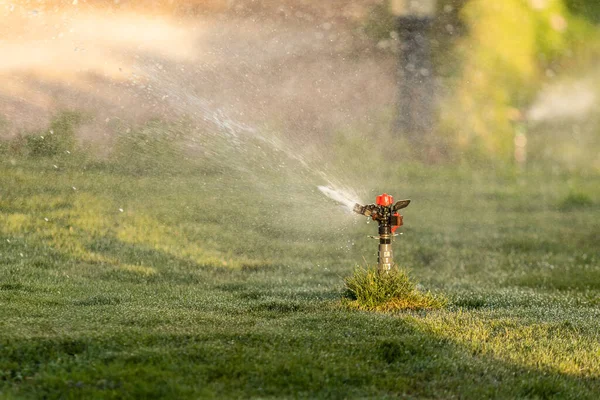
x,y
229,284
372,290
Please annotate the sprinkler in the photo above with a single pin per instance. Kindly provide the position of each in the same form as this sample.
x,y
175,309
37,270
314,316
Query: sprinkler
x,y
385,212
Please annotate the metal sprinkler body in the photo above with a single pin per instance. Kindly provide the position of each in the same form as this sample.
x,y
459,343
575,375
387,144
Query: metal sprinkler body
x,y
385,212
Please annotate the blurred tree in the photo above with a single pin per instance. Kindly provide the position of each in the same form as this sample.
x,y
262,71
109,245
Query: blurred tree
x,y
415,104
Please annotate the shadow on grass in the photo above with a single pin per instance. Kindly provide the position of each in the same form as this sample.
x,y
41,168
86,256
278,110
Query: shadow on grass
x,y
574,279
313,355
141,262
141,254
137,260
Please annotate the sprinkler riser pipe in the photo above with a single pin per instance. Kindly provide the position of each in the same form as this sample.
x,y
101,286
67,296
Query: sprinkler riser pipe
x,y
385,257
385,212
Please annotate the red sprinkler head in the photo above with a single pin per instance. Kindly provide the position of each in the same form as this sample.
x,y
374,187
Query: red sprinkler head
x,y
384,211
384,200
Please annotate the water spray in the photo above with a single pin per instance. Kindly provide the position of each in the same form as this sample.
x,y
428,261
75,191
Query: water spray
x,y
385,212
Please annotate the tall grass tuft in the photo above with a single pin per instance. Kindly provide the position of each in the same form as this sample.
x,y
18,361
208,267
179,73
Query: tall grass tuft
x,y
371,290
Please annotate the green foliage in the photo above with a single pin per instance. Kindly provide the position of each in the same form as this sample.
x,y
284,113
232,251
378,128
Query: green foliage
x,y
156,147
372,290
58,139
494,58
381,23
3,134
575,200
505,55
588,9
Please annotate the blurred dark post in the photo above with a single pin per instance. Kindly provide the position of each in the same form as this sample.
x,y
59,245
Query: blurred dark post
x,y
416,97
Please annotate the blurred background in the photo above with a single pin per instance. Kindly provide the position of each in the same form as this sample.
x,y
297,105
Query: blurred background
x,y
512,83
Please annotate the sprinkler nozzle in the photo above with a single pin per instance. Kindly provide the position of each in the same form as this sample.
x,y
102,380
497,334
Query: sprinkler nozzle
x,y
400,205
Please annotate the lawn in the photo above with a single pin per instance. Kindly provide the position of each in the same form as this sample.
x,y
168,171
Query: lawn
x,y
217,283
